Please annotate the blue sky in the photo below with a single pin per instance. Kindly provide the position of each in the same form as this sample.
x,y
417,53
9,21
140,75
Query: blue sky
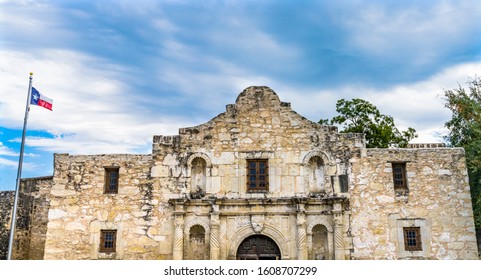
x,y
120,72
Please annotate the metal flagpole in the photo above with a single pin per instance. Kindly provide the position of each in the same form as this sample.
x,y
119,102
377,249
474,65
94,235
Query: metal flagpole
x,y
19,173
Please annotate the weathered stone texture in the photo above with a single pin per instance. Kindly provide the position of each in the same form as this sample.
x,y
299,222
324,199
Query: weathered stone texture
x,y
38,189
328,197
31,222
80,209
257,126
6,205
439,196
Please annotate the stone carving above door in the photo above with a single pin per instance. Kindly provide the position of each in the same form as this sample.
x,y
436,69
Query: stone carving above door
x,y
257,222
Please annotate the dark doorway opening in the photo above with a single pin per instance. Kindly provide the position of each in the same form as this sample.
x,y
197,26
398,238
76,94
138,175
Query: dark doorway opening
x,y
258,247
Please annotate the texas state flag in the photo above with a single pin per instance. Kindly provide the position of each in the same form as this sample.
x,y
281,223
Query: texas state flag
x,y
40,100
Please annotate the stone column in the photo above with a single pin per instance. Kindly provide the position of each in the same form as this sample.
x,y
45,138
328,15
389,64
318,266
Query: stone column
x,y
301,233
338,235
178,248
214,233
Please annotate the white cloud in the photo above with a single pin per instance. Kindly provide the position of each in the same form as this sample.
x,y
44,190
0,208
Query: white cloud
x,y
213,89
164,25
27,22
31,155
92,113
422,30
6,151
8,162
419,105
96,111
129,137
93,110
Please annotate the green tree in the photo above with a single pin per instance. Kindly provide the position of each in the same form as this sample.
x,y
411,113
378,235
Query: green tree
x,y
360,116
465,131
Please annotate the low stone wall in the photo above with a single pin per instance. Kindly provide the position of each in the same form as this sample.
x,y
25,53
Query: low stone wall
x,y
438,201
33,228
6,204
31,224
426,145
79,209
22,235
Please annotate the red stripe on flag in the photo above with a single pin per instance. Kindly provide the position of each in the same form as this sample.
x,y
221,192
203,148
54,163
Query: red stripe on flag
x,y
44,104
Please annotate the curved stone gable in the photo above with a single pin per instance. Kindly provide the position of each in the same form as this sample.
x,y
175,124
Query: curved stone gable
x,y
258,120
258,97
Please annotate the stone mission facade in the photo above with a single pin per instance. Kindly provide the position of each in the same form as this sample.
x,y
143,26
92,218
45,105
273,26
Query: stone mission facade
x,y
258,181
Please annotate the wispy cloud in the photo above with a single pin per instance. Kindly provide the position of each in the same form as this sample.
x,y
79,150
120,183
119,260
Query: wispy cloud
x,y
122,71
6,151
416,37
419,105
8,162
91,106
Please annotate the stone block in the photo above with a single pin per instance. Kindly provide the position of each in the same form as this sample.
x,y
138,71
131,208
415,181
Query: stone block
x,y
75,226
62,192
55,214
456,245
445,172
216,185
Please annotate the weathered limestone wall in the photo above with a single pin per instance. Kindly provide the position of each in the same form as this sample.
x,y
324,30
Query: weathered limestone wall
x,y
36,192
6,205
79,209
439,202
258,126
189,199
21,242
31,224
191,192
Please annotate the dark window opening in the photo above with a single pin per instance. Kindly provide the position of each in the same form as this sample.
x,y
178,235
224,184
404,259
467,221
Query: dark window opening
x,y
108,239
111,180
412,239
399,178
257,175
344,183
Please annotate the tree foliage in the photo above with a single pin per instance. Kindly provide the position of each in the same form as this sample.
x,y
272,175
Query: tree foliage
x,y
465,131
360,116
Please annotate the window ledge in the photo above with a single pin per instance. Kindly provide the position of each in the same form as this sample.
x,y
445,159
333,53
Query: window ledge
x,y
107,255
401,195
256,194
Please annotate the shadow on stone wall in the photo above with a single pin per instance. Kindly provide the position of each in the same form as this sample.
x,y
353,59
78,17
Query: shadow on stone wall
x,y
6,204
31,224
478,239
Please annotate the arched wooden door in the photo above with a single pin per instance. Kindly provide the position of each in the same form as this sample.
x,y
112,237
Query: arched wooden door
x,y
258,247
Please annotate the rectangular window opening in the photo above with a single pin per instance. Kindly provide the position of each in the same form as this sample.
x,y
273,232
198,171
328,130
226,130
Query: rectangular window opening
x,y
111,180
399,176
344,183
258,175
108,239
412,239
